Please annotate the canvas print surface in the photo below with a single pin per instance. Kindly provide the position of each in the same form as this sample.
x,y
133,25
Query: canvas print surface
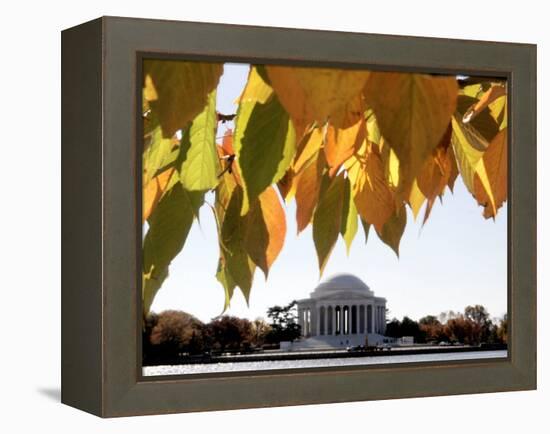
x,y
299,217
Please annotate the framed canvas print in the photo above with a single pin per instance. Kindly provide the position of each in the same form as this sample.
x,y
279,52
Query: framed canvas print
x,y
262,217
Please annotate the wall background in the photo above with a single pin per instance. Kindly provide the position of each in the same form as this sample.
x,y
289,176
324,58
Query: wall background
x,y
30,213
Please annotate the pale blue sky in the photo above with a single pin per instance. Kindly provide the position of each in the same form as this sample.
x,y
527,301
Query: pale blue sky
x,y
457,258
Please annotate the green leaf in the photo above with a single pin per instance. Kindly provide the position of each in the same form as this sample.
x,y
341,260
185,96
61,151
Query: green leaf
x,y
177,90
200,167
327,218
169,226
264,144
349,226
151,283
223,276
158,154
234,259
393,229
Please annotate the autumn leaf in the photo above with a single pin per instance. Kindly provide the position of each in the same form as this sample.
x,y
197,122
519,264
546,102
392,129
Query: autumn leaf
x,y
454,169
348,228
494,92
312,142
416,199
346,144
327,218
199,164
366,228
169,226
308,186
342,142
499,112
315,94
264,143
265,229
287,186
257,90
373,197
229,285
484,123
496,161
227,142
235,260
158,154
413,112
154,190
177,90
434,176
393,230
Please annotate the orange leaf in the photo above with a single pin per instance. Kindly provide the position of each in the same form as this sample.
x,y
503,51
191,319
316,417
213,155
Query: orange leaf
x,y
373,197
153,191
315,94
308,186
342,142
227,142
265,229
496,165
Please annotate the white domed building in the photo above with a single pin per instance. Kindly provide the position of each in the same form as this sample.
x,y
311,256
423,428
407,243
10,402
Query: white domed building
x,y
341,311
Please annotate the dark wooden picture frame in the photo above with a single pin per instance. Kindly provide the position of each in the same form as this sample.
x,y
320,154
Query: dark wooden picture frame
x,y
101,218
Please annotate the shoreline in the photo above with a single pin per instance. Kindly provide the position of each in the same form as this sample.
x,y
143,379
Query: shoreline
x,y
322,354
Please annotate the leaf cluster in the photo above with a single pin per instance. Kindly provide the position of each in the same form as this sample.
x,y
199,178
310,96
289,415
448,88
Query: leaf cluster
x,y
349,146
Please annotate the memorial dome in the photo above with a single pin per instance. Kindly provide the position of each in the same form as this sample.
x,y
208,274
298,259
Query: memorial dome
x,y
341,282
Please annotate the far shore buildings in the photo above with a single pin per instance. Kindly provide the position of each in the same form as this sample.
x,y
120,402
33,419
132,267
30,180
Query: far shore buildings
x,y
341,311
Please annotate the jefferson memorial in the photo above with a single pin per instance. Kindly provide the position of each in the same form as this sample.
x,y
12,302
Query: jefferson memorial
x,y
341,311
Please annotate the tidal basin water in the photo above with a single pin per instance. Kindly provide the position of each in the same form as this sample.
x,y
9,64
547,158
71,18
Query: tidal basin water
x,y
207,368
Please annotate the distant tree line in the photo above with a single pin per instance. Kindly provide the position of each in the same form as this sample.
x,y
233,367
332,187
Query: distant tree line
x,y
171,334
472,327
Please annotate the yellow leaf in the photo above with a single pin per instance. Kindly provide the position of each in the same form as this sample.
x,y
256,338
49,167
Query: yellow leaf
x,y
177,90
349,226
265,226
153,191
453,174
315,94
373,197
393,169
416,199
469,147
312,142
498,110
434,176
413,112
256,90
496,163
308,186
494,92
341,142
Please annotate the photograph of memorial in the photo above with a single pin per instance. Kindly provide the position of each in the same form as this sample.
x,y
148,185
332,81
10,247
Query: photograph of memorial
x,y
299,217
